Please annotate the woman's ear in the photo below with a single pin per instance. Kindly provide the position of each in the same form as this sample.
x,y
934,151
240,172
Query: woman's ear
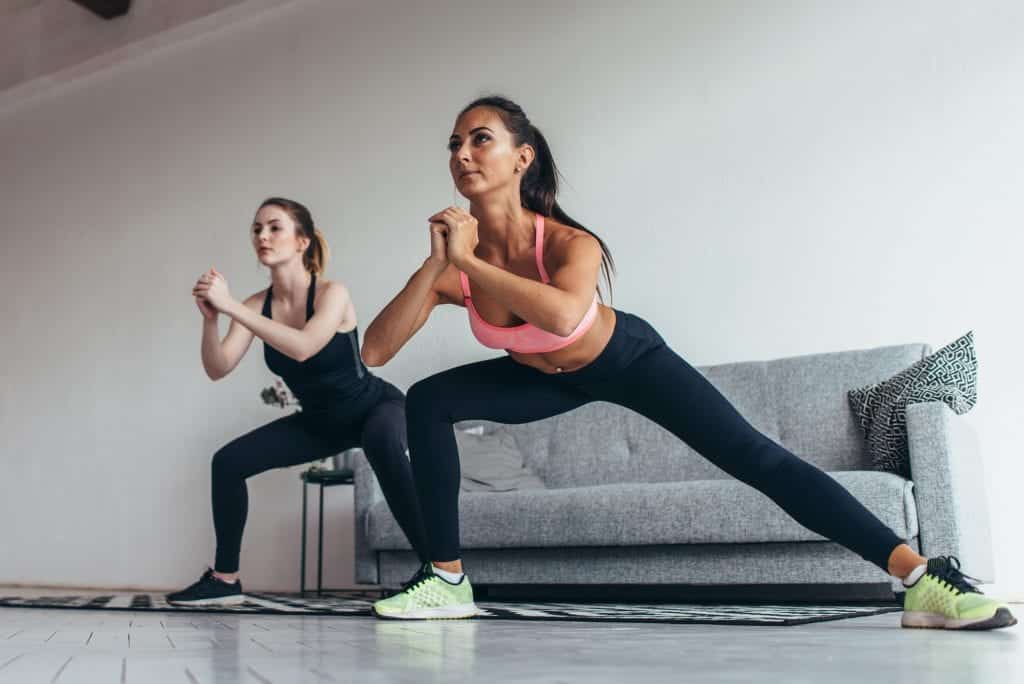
x,y
524,157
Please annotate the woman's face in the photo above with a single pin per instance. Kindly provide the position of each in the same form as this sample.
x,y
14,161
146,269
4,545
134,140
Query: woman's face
x,y
274,236
483,155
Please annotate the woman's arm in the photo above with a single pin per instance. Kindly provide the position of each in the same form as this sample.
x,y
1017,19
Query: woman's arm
x,y
558,306
404,315
221,357
298,344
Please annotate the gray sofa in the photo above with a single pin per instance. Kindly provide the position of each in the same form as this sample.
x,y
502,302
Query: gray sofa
x,y
627,502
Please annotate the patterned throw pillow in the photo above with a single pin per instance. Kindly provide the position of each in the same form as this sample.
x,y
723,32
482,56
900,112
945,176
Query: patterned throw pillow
x,y
950,375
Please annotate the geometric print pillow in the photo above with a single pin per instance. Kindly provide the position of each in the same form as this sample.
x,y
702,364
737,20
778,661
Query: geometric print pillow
x,y
949,375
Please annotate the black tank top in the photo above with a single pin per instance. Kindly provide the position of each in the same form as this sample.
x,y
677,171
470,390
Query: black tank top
x,y
334,375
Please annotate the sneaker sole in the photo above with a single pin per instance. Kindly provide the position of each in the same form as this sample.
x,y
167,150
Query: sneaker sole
x,y
921,620
221,601
459,612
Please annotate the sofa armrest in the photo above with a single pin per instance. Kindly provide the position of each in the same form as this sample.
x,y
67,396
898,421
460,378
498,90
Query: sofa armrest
x,y
949,487
366,492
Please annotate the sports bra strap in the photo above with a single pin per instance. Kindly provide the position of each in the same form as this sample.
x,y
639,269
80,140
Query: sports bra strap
x,y
266,302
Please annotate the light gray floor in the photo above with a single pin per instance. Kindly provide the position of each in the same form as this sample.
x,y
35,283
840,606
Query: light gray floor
x,y
111,646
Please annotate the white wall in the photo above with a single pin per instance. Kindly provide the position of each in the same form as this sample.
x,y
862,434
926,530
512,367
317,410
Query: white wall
x,y
773,180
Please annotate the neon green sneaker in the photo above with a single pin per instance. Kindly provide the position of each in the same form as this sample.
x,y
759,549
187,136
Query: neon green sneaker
x,y
426,596
943,598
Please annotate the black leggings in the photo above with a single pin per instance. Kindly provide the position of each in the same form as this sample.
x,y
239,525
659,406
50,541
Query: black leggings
x,y
379,429
636,370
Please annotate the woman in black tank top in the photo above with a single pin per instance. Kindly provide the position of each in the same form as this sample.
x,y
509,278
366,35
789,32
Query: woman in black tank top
x,y
310,340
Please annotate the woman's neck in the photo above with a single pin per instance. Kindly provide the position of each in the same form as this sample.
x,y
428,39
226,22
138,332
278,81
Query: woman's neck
x,y
504,228
290,281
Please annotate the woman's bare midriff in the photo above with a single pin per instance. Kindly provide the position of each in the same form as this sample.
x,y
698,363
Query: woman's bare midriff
x,y
579,353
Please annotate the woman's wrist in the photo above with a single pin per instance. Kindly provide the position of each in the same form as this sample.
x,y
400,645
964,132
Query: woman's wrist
x,y
435,267
232,308
468,264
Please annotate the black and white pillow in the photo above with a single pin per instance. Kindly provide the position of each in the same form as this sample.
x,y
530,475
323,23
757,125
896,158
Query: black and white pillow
x,y
950,375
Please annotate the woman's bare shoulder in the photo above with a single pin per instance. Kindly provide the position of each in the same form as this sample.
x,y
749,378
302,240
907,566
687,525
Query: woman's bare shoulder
x,y
324,285
561,240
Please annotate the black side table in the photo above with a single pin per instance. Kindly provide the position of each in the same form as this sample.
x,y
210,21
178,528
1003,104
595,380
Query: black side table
x,y
324,478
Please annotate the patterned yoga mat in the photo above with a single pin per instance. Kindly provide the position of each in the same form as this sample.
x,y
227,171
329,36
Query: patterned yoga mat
x,y
357,604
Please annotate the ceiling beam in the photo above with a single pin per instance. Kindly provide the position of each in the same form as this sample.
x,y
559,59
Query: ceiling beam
x,y
108,9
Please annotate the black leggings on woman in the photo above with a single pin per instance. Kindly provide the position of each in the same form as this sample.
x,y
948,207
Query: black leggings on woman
x,y
639,371
379,428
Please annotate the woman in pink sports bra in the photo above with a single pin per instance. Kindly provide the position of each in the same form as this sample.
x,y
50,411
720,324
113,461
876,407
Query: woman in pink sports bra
x,y
528,276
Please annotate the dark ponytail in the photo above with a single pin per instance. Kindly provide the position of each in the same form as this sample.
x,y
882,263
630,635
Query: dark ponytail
x,y
539,187
315,256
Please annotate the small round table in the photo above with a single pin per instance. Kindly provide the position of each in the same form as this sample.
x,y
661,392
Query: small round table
x,y
324,478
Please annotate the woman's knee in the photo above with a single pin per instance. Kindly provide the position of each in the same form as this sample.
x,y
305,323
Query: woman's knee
x,y
226,462
426,398
384,429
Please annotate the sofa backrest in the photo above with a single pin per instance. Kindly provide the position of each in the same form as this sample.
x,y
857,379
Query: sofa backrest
x,y
800,402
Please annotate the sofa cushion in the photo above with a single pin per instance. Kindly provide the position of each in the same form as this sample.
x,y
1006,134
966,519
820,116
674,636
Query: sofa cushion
x,y
815,421
631,514
603,443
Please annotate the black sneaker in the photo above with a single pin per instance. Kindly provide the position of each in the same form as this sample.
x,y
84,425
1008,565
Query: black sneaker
x,y
208,591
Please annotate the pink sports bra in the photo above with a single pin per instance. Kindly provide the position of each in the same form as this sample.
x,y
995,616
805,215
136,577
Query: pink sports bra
x,y
526,338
